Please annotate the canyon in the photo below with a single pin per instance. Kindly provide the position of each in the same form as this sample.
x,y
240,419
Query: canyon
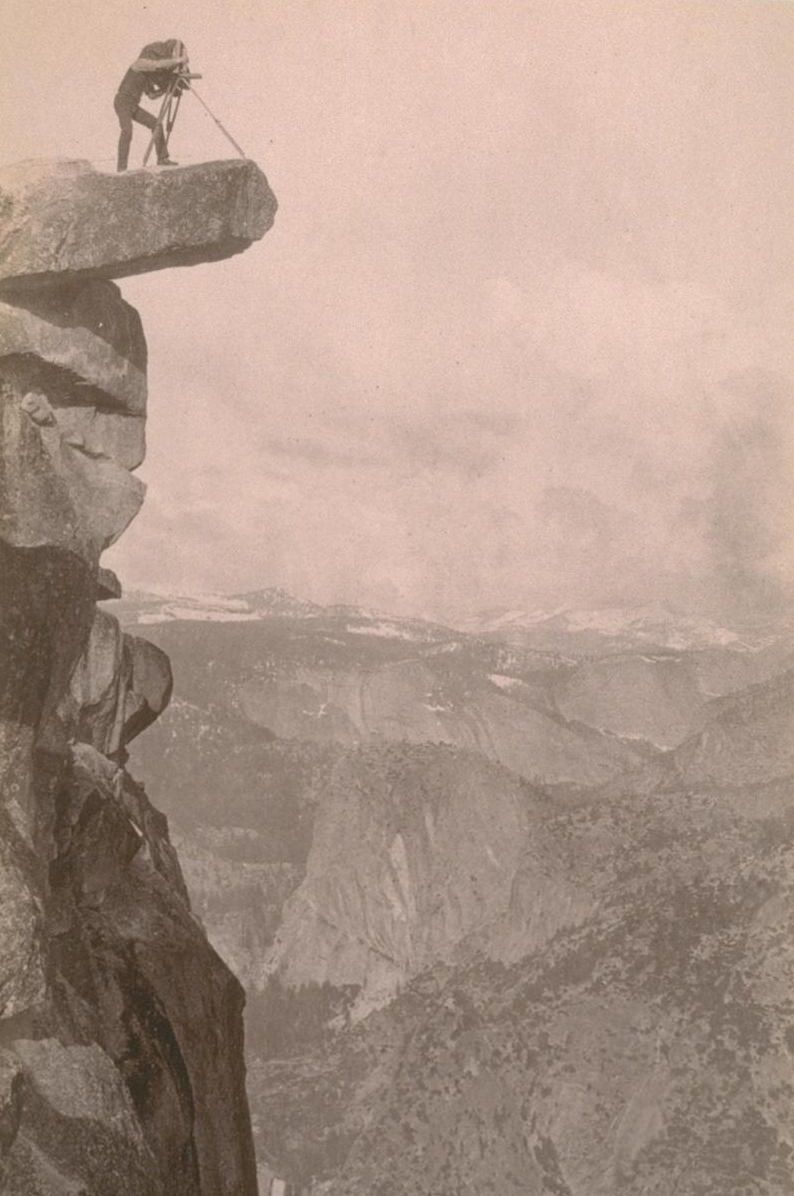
x,y
511,916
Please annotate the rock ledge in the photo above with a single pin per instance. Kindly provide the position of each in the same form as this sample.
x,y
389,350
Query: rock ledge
x,y
65,221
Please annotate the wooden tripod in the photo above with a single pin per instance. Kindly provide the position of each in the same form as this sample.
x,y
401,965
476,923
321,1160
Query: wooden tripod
x,y
166,118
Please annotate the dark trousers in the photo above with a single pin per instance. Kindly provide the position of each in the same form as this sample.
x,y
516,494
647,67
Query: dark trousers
x,y
127,112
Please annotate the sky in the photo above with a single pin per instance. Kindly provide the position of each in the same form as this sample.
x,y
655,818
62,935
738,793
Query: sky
x,y
521,333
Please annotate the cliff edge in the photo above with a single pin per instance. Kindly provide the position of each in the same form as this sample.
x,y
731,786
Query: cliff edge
x,y
121,1065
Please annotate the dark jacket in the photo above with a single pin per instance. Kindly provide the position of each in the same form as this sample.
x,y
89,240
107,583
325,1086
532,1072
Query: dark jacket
x,y
139,80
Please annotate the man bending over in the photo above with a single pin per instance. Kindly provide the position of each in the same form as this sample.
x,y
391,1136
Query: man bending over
x,y
151,73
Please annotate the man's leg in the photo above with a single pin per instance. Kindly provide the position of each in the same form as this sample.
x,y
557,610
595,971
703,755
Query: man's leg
x,y
125,137
145,118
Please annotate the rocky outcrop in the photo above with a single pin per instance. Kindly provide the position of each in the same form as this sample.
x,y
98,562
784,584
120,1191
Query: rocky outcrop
x,y
70,1114
87,329
120,685
438,839
71,222
121,1062
618,1020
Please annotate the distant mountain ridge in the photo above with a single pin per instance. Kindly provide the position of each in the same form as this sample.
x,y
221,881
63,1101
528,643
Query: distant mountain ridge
x,y
343,673
746,737
142,606
655,625
578,631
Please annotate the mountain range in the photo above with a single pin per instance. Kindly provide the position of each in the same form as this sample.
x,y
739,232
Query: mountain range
x,y
510,913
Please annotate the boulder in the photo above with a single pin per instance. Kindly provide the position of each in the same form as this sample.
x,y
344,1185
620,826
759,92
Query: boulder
x,y
67,221
55,491
150,685
120,685
107,585
95,702
87,330
77,1130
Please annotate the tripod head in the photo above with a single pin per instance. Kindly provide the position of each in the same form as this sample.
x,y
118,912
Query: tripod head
x,y
172,82
182,79
182,73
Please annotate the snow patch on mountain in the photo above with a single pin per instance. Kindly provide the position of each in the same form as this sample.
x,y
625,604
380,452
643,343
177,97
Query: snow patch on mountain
x,y
654,623
386,630
208,613
501,681
651,624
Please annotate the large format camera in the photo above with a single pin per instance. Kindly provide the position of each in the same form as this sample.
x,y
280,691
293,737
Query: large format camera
x,y
183,77
177,81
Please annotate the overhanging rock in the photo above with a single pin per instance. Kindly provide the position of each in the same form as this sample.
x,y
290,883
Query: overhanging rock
x,y
88,331
67,221
83,347
55,493
95,928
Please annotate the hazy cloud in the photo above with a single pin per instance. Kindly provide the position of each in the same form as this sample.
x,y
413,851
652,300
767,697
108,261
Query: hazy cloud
x,y
317,453
482,355
750,524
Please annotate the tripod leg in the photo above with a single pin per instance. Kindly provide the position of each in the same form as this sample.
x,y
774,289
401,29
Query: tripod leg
x,y
172,117
225,132
165,108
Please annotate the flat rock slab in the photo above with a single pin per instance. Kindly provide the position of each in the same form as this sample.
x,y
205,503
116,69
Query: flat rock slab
x,y
64,221
88,330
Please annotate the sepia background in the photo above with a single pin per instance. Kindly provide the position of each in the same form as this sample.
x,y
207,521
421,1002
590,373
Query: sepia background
x,y
521,333
455,638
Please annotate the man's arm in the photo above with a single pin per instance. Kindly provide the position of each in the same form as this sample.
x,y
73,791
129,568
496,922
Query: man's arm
x,y
159,64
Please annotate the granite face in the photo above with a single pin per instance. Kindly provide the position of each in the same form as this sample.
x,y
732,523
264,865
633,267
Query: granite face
x,y
121,1034
67,221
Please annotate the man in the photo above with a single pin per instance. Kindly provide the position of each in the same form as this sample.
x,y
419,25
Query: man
x,y
151,73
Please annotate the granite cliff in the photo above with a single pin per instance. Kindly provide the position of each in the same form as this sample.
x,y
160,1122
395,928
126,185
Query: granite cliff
x,y
121,1066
